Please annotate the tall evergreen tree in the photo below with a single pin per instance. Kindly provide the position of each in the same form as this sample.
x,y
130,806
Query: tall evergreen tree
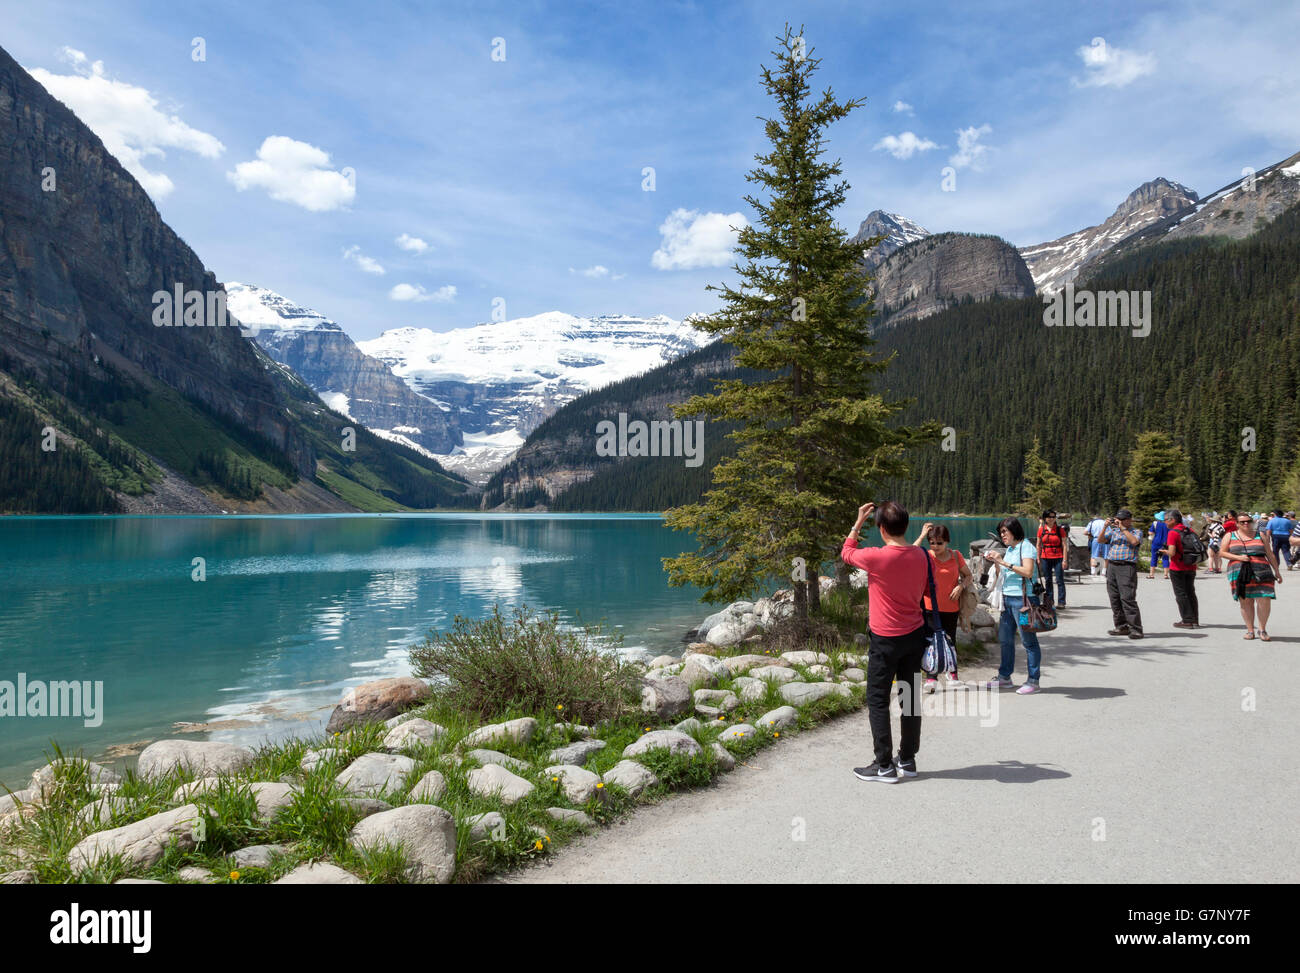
x,y
1041,483
1157,476
813,437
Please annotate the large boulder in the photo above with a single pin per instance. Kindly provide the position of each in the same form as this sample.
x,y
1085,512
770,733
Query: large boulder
x,y
750,689
715,702
377,702
568,814
495,734
314,758
741,664
257,856
696,676
719,667
319,873
495,781
774,673
669,740
373,773
486,757
734,630
102,811
425,833
487,826
803,693
779,718
577,753
431,787
579,785
667,698
741,731
805,657
631,776
413,732
203,759
142,843
43,780
723,756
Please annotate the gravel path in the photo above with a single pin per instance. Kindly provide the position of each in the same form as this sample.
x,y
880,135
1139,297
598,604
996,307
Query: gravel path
x,y
1137,763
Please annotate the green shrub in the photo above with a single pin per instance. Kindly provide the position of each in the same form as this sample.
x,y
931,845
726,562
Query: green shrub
x,y
527,663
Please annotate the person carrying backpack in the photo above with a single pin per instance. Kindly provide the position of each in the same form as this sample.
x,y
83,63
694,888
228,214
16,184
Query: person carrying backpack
x,y
1185,551
1051,554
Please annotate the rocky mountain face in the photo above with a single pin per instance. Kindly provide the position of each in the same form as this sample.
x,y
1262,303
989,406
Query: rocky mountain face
x,y
501,380
358,386
114,336
82,252
1057,262
935,272
1243,206
898,231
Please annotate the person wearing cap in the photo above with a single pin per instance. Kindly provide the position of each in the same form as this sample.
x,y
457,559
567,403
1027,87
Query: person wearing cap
x,y
1122,543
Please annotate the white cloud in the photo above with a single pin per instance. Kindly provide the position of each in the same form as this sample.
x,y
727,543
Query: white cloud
x,y
414,292
689,239
126,118
902,106
969,150
594,271
295,172
412,244
1112,67
368,264
906,145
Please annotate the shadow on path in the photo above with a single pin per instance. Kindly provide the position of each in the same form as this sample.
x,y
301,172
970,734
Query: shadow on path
x,y
1084,692
1004,772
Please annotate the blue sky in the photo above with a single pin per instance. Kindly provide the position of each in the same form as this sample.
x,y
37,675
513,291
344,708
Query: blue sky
x,y
522,177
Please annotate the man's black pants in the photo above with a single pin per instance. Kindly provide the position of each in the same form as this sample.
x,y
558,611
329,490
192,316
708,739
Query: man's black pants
x,y
1184,584
895,657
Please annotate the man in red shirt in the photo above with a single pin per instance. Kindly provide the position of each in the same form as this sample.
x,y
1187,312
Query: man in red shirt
x,y
1181,576
898,575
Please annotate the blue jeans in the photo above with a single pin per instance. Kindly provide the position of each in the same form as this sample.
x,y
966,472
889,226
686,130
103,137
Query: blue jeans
x,y
1054,567
1008,625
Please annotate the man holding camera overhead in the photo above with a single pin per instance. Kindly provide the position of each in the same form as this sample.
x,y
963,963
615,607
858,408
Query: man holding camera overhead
x,y
1121,554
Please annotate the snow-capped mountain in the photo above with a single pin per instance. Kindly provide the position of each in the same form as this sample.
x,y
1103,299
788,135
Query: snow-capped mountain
x,y
360,387
1241,207
1057,262
898,231
502,379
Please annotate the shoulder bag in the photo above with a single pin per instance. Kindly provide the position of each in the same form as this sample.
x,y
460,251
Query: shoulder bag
x,y
939,655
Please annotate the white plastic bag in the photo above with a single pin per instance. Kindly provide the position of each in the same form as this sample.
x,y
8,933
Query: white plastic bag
x,y
995,592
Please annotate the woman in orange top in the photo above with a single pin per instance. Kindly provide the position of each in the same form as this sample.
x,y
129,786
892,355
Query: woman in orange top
x,y
951,575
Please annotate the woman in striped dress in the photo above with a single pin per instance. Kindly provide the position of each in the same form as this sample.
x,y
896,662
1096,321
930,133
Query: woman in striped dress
x,y
1240,546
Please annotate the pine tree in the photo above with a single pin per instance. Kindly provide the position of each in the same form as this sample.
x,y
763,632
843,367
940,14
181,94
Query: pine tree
x,y
1157,475
1041,483
813,438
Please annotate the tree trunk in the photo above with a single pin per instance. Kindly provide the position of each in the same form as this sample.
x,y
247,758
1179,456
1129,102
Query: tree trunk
x,y
800,601
842,574
814,592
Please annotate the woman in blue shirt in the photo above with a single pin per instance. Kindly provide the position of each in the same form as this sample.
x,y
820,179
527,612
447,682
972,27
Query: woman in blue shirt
x,y
1016,572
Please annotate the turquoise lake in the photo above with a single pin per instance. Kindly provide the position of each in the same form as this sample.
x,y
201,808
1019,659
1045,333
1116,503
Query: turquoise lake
x,y
295,609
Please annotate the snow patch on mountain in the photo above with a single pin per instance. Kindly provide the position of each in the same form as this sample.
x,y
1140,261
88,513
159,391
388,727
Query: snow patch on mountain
x,y
504,378
1057,262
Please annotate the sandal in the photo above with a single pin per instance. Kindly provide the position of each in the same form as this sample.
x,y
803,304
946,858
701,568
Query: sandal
x,y
1263,636
1249,635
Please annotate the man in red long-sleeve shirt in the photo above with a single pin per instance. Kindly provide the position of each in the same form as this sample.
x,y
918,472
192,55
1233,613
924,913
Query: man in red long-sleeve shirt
x,y
897,577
